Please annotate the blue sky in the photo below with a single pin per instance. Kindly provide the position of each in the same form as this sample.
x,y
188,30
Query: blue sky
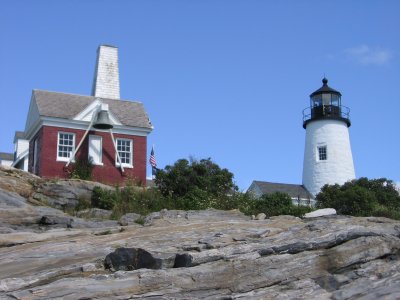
x,y
225,79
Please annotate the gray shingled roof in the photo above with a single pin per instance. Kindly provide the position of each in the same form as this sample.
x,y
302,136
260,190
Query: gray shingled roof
x,y
294,190
19,135
6,156
67,106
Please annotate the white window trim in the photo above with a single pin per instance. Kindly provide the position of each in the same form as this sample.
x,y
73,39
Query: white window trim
x,y
117,164
66,159
317,154
91,136
35,155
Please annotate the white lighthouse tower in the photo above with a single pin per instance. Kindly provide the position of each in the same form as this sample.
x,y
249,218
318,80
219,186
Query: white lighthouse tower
x,y
327,154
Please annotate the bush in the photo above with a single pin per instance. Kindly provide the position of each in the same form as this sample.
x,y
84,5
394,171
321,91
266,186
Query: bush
x,y
104,199
195,199
138,200
82,169
237,200
84,202
276,204
298,211
144,201
198,199
347,200
129,199
362,197
383,211
383,189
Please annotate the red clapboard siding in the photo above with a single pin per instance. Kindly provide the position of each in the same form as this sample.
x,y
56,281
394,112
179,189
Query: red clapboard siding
x,y
49,167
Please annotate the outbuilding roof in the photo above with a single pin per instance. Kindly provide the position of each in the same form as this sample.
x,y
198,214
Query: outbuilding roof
x,y
6,156
19,135
67,106
294,190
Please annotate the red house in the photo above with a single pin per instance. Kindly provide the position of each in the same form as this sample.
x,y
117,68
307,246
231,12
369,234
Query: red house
x,y
112,132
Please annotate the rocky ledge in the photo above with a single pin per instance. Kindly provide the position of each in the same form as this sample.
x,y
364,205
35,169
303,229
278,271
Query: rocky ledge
x,y
46,254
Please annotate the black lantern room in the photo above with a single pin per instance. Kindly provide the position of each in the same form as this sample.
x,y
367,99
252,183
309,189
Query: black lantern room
x,y
325,103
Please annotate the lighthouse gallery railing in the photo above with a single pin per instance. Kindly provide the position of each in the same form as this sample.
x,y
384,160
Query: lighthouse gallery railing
x,y
326,111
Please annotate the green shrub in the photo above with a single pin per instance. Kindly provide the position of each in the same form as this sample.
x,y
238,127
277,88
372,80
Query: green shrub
x,y
272,205
82,169
104,199
138,200
84,203
298,211
129,199
196,199
384,211
236,200
144,201
362,197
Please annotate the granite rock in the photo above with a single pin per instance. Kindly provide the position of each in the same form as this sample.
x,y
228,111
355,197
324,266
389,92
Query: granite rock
x,y
320,213
209,254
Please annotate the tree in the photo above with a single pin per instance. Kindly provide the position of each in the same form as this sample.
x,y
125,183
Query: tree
x,y
362,197
188,178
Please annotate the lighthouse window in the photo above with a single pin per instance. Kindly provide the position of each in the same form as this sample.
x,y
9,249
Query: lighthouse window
x,y
335,100
326,99
322,153
317,100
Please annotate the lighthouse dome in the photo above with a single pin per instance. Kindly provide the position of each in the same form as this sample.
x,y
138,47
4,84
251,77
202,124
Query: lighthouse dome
x,y
325,89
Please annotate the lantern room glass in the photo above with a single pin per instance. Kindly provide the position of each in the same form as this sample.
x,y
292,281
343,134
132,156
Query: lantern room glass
x,y
316,101
335,100
325,99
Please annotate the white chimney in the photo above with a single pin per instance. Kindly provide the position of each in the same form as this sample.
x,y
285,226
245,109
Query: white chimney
x,y
106,76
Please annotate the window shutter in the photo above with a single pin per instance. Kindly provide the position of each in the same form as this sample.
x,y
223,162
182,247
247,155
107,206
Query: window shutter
x,y
95,149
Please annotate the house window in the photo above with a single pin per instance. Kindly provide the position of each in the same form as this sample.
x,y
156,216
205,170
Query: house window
x,y
322,153
96,149
66,145
125,151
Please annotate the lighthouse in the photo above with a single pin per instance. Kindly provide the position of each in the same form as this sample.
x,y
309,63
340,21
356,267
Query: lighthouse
x,y
327,154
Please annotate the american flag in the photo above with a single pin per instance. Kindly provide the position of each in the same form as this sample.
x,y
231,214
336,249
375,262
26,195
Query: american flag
x,y
152,159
